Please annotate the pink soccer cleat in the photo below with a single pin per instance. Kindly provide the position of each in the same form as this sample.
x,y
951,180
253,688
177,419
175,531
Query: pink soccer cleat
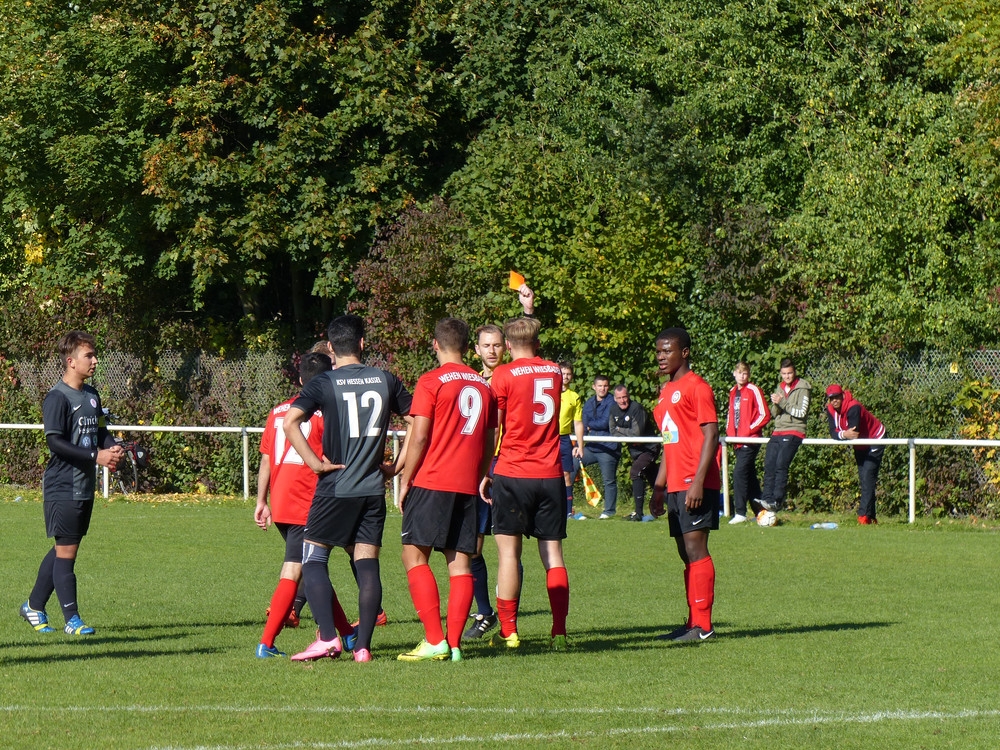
x,y
320,649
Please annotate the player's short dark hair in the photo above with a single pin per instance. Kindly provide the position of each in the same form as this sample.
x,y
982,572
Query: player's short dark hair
x,y
345,333
678,335
452,335
786,362
70,341
564,365
313,364
599,376
522,331
488,328
620,388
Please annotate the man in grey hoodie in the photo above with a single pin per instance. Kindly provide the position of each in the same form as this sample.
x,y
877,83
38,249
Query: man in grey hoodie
x,y
790,405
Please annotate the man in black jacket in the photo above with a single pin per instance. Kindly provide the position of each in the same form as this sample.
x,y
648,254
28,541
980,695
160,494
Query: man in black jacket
x,y
628,419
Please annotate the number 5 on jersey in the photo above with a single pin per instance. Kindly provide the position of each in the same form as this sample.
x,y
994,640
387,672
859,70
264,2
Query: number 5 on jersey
x,y
544,400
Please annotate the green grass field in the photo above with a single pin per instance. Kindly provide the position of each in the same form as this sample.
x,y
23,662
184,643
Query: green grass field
x,y
860,637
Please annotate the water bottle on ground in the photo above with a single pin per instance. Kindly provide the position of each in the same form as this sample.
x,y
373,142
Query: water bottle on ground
x,y
826,525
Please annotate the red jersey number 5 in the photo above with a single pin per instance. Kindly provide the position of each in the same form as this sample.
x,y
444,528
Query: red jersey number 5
x,y
544,400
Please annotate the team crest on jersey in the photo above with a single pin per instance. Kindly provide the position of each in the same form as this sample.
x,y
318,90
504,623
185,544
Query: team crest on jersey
x,y
93,403
669,431
675,397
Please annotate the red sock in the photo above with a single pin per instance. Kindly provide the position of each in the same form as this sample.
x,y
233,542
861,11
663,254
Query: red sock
x,y
427,601
459,604
340,620
557,583
507,612
281,604
689,593
703,585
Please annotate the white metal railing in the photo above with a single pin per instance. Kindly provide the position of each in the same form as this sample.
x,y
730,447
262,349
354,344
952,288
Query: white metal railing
x,y
911,443
397,435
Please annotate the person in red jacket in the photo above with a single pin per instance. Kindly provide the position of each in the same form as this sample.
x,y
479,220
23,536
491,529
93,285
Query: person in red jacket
x,y
849,420
748,413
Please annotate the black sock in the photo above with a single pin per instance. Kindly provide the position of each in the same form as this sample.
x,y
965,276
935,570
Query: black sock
x,y
300,599
44,585
319,591
65,585
369,600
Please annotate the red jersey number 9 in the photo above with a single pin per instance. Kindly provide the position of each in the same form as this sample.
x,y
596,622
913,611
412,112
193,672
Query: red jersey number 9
x,y
544,400
470,406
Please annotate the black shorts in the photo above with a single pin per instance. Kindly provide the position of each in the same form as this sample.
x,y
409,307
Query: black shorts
x,y
566,453
293,534
442,520
705,518
343,521
532,507
67,518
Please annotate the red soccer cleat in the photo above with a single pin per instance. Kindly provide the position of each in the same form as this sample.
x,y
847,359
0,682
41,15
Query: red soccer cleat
x,y
863,520
380,621
292,621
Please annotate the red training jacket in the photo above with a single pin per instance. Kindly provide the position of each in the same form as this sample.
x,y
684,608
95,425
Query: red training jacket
x,y
853,414
754,412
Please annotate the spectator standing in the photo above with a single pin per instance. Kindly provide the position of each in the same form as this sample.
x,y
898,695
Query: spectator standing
x,y
849,420
596,417
628,420
748,413
791,405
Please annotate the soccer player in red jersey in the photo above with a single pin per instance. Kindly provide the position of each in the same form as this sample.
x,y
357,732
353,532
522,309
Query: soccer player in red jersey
x,y
290,483
450,448
689,476
527,488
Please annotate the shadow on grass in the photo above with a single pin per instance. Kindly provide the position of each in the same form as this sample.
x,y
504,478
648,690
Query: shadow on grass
x,y
91,655
645,637
210,624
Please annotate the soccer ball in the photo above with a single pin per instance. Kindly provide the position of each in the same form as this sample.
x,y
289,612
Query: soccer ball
x,y
766,518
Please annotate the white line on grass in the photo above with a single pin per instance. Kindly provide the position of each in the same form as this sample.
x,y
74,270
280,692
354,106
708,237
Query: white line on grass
x,y
816,718
778,718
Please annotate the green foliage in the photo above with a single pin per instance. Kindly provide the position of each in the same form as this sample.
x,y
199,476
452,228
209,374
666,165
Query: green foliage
x,y
217,146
